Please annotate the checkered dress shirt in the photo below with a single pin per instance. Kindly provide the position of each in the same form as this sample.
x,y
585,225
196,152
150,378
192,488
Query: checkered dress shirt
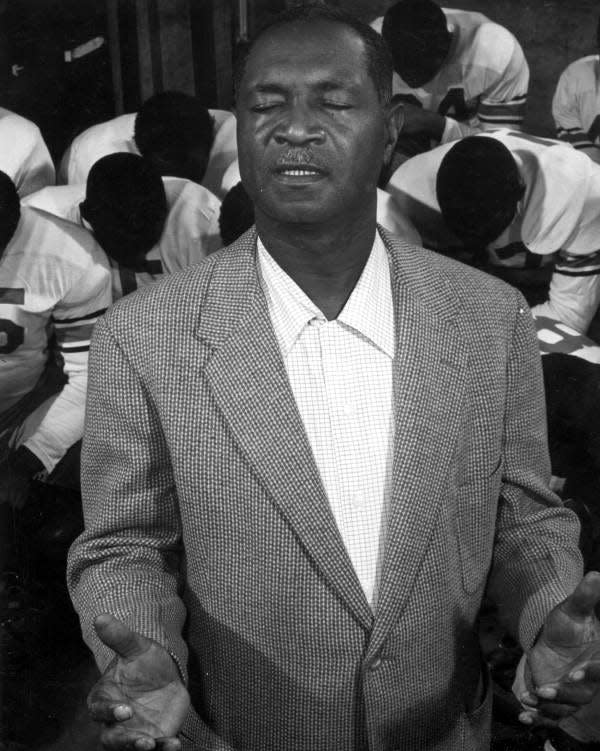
x,y
340,372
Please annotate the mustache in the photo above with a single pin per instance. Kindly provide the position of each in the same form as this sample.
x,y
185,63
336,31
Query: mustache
x,y
298,157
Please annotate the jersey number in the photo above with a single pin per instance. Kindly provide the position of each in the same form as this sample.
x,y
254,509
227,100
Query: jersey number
x,y
11,334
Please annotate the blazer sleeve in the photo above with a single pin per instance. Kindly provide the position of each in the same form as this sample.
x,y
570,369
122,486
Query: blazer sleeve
x,y
536,561
127,561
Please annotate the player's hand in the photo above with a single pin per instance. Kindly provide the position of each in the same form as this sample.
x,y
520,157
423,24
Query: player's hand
x,y
564,663
140,700
17,472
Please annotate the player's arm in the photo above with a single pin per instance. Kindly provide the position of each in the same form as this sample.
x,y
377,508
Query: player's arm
x,y
28,162
38,171
574,293
198,228
390,216
223,152
210,234
536,562
57,423
503,98
567,117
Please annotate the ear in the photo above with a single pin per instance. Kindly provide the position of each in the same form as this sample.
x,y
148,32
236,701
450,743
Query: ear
x,y
394,118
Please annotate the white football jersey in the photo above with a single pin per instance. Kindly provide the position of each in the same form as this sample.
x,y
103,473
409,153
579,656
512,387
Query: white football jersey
x,y
559,210
23,154
117,135
191,231
54,280
576,105
390,217
483,82
231,177
556,337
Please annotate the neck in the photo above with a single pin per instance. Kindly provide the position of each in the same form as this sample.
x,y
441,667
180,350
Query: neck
x,y
325,261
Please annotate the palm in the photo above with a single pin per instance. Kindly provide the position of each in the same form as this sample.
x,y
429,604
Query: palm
x,y
140,697
568,640
150,685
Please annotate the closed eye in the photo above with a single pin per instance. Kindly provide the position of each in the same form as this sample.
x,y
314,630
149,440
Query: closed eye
x,y
336,105
265,106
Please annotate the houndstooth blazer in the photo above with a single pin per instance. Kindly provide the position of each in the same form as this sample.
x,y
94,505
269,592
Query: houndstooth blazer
x,y
208,528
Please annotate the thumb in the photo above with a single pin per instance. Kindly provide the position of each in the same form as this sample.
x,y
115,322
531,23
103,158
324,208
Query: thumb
x,y
119,637
581,603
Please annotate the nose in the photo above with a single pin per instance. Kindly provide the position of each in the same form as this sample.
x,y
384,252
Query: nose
x,y
299,126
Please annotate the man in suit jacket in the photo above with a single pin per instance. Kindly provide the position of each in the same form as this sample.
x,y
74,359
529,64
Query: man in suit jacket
x,y
306,457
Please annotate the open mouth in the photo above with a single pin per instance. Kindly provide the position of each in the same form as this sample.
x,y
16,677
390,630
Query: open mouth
x,y
298,172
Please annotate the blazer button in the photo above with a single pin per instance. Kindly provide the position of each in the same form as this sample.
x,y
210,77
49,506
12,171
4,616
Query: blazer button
x,y
376,664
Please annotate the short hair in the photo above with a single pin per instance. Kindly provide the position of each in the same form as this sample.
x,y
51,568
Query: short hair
x,y
415,30
10,210
378,57
125,195
237,214
171,123
478,186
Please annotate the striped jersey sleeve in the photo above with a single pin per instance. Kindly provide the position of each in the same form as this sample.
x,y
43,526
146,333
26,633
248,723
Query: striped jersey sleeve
x,y
86,299
66,281
555,337
503,99
576,105
74,334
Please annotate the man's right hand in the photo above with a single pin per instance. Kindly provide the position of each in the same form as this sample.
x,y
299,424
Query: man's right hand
x,y
140,700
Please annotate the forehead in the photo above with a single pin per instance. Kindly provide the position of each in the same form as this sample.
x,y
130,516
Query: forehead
x,y
305,51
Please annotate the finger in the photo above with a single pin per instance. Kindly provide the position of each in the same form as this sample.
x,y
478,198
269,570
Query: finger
x,y
529,699
119,637
109,712
121,739
568,693
168,744
586,672
555,710
532,719
581,603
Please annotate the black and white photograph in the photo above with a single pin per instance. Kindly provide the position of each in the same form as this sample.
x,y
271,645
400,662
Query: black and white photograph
x,y
299,375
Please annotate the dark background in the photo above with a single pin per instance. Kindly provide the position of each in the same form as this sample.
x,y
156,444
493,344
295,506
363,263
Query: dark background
x,y
151,45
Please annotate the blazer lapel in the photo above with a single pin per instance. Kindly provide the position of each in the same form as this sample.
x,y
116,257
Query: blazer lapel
x,y
429,387
247,377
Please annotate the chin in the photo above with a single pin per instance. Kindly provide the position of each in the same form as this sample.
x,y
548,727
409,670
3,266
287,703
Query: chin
x,y
298,211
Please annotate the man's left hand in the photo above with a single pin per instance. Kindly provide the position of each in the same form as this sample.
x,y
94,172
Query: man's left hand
x,y
564,664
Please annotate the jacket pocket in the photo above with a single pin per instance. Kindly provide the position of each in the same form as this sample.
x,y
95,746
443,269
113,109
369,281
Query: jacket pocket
x,y
476,733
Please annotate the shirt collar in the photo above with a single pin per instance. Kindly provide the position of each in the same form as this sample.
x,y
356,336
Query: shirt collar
x,y
369,310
